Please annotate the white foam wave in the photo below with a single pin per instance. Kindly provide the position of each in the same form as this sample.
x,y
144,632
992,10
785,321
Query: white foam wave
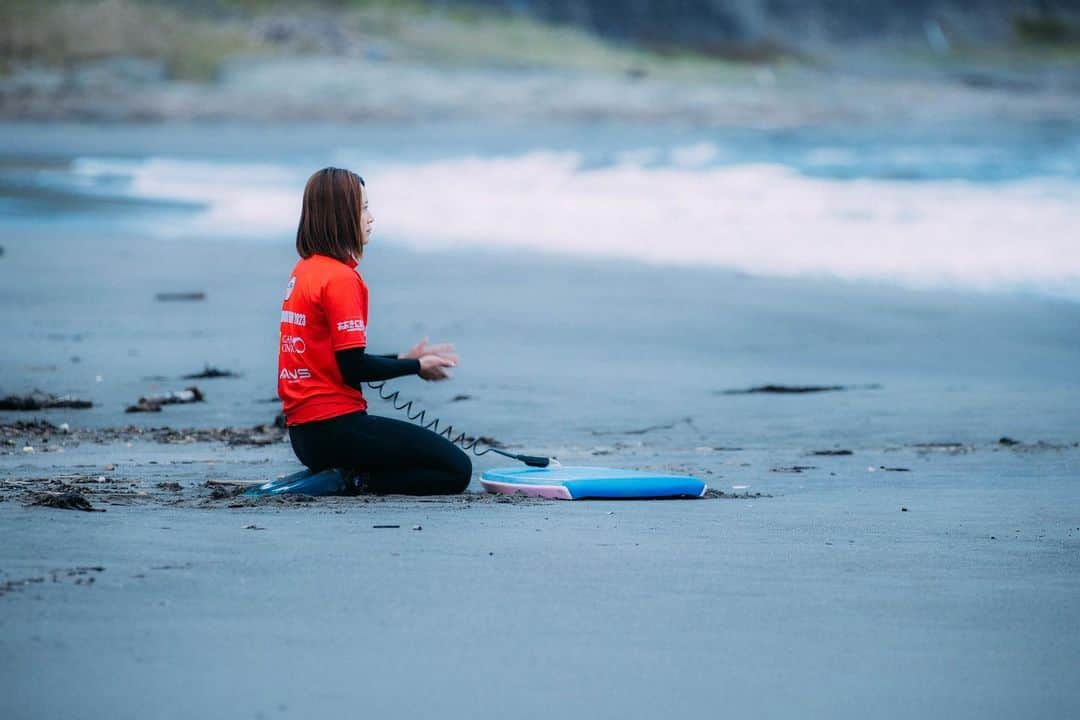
x,y
762,219
238,200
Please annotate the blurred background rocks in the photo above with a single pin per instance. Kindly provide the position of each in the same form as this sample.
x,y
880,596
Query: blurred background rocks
x,y
704,61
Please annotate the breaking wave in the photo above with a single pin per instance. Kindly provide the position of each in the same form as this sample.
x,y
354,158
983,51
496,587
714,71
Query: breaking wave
x,y
679,208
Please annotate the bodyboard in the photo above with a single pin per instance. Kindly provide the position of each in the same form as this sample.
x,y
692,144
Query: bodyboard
x,y
576,483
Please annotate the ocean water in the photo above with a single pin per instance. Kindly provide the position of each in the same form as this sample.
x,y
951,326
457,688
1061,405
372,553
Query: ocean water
x,y
984,210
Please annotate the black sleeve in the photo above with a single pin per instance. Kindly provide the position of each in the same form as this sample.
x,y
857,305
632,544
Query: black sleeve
x,y
358,367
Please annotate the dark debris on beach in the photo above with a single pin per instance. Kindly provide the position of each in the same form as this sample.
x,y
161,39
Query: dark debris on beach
x,y
38,400
1037,446
1004,443
223,491
44,436
209,372
154,403
796,389
68,499
712,494
647,429
194,296
80,575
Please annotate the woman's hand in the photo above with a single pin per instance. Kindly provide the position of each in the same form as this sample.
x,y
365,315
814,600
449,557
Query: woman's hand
x,y
420,349
435,367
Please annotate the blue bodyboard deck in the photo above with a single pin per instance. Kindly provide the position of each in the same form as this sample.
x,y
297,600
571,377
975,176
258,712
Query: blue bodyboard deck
x,y
576,483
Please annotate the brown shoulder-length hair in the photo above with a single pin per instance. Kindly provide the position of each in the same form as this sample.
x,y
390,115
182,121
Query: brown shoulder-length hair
x,y
330,219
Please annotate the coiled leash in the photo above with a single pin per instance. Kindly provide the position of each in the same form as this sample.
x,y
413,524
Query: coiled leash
x,y
467,443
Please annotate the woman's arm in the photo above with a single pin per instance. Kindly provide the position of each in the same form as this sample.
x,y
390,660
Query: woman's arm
x,y
358,367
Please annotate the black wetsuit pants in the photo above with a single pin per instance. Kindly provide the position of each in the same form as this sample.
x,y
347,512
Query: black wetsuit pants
x,y
392,456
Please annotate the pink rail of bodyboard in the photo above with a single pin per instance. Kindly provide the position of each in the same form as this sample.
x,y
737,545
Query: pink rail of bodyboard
x,y
557,492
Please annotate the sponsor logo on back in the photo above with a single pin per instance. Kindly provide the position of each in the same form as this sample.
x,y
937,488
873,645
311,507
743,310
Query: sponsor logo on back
x,y
294,375
293,344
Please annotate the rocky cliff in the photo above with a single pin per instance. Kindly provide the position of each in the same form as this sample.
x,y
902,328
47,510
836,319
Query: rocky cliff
x,y
728,25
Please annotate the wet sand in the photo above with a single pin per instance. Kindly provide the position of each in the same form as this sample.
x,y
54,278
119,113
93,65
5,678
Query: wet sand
x,y
928,579
948,590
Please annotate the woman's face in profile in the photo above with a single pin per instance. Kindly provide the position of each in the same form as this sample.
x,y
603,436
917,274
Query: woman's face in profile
x,y
367,220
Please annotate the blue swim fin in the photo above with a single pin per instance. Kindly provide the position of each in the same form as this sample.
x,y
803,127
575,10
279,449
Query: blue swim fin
x,y
305,482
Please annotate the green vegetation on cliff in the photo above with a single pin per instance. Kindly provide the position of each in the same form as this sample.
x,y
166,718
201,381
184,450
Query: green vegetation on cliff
x,y
194,38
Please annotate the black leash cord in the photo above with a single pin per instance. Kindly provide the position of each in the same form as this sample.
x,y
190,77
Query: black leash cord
x,y
464,441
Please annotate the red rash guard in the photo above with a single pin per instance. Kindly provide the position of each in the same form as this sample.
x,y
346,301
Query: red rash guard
x,y
325,310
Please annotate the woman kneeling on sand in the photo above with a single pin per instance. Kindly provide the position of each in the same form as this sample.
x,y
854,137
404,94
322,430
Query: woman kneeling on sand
x,y
322,358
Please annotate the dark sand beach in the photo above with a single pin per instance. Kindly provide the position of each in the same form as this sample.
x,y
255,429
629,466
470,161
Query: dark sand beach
x,y
948,589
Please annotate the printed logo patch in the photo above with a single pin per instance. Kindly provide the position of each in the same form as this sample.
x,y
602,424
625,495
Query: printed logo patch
x,y
293,318
294,375
290,286
356,325
293,344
